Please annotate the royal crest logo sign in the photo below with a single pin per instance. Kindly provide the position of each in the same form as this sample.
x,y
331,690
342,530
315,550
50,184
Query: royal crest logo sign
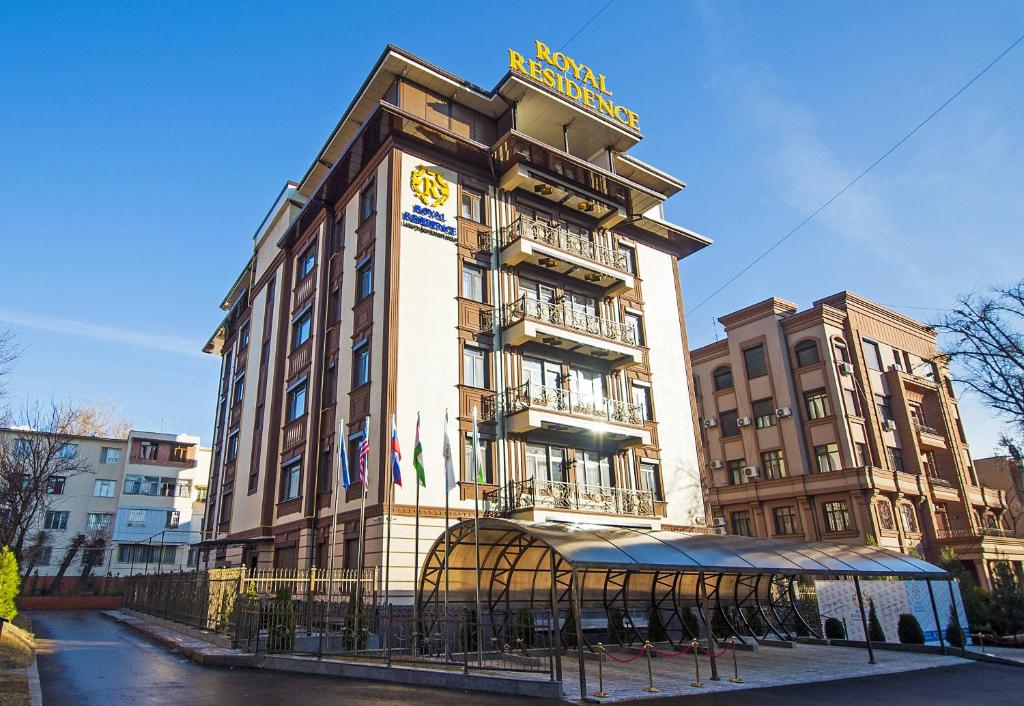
x,y
429,185
427,205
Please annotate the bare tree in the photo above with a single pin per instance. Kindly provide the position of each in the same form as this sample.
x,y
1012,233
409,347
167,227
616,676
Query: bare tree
x,y
69,556
37,456
38,543
1013,513
9,352
985,342
100,420
93,554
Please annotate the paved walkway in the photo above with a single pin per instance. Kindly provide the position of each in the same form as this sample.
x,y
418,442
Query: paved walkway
x,y
765,667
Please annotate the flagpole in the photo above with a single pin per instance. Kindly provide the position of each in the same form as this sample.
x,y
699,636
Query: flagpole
x,y
389,487
447,450
476,533
334,515
416,541
361,538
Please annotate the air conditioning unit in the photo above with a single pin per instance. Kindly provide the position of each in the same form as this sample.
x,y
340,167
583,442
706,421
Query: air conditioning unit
x,y
744,422
783,412
896,367
710,422
716,464
718,522
846,368
889,425
701,520
750,472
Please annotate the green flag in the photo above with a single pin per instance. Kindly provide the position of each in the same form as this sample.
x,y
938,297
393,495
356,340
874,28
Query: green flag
x,y
417,456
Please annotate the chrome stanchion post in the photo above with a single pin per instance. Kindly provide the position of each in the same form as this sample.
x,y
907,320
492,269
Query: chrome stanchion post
x,y
600,693
650,670
735,664
695,646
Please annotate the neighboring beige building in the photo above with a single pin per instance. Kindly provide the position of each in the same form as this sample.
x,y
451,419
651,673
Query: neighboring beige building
x,y
131,490
1006,474
455,248
839,423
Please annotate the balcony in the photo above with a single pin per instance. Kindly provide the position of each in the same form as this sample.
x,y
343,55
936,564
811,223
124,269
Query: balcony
x,y
558,324
930,436
530,406
536,493
558,250
968,533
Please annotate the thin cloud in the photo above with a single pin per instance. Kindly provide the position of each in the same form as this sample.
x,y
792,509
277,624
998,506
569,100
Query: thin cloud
x,y
110,334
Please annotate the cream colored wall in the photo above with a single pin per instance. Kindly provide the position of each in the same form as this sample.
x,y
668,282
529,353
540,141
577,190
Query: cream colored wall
x,y
680,469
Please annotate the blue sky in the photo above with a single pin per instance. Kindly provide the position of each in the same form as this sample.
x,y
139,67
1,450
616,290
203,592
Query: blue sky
x,y
141,143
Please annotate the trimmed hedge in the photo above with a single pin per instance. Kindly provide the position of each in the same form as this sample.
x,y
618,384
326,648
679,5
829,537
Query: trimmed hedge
x,y
909,630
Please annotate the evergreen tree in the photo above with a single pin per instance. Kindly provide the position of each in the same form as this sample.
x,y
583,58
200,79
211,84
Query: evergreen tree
x,y
690,625
909,630
954,635
834,629
616,628
10,583
655,626
1006,601
875,631
976,600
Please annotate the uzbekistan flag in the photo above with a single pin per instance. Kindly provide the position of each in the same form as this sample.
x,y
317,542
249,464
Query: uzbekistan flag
x,y
396,455
417,456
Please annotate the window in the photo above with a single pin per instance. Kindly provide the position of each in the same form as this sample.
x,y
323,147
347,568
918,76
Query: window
x,y
885,519
291,478
884,404
239,392
302,328
361,366
764,413
862,453
723,378
546,463
296,401
167,487
827,456
68,451
200,493
473,283
146,554
232,452
173,519
806,353
852,401
56,520
148,450
485,461
55,485
45,556
628,257
99,521
472,206
635,322
649,478
108,454
596,468
741,523
785,520
367,202
22,447
755,361
104,488
871,354
474,367
136,518
909,518
307,261
141,485
183,488
179,454
837,516
364,281
736,471
896,458
243,336
842,353
728,423
642,397
817,403
773,465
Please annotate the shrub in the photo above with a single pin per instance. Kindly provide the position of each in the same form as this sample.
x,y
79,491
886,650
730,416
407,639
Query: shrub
x,y
523,627
875,631
690,622
954,634
655,626
569,629
834,629
909,630
10,583
281,623
616,627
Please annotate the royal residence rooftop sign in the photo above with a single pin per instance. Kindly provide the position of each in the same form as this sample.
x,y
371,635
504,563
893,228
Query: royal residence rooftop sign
x,y
577,82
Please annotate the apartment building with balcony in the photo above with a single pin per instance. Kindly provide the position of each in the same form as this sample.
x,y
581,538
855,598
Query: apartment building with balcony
x,y
461,250
109,481
839,423
1006,473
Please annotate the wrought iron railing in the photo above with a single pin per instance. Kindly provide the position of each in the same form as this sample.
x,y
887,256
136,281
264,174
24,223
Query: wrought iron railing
x,y
564,316
962,532
925,429
558,495
557,399
562,239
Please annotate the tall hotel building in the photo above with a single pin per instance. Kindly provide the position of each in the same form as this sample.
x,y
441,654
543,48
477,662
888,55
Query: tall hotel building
x,y
453,249
839,423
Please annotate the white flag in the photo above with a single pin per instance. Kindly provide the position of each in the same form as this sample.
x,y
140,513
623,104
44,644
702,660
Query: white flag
x,y
449,467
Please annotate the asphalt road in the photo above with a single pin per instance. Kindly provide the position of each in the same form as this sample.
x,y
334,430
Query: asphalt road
x,y
85,658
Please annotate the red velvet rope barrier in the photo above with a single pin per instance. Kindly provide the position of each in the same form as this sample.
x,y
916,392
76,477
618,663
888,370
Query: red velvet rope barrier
x,y
684,651
634,658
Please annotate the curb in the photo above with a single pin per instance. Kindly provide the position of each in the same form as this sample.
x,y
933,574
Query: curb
x,y
35,689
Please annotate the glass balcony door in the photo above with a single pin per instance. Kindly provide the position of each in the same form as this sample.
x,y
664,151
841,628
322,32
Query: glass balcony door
x,y
587,389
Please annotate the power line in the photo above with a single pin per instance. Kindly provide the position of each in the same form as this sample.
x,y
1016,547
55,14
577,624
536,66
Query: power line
x,y
856,179
585,25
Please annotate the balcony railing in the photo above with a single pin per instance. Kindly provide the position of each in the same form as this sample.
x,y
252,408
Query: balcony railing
x,y
961,532
557,399
925,429
557,495
564,316
562,239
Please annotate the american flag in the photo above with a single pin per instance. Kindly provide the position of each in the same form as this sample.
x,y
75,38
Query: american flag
x,y
364,453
